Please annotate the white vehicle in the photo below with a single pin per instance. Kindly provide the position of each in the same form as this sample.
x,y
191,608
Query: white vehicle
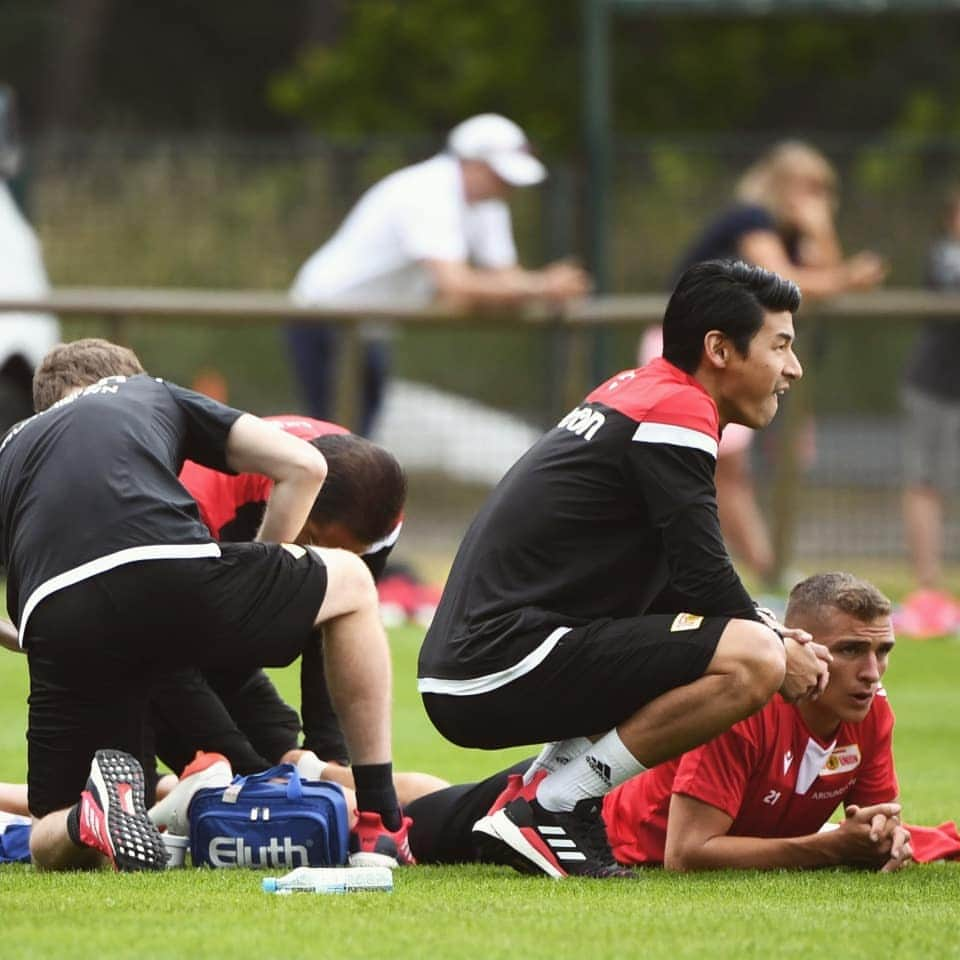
x,y
24,337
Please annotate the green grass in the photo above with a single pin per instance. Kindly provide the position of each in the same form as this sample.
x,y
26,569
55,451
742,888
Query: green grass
x,y
490,912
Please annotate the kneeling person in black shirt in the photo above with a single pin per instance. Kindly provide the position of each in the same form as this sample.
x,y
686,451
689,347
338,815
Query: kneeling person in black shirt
x,y
112,577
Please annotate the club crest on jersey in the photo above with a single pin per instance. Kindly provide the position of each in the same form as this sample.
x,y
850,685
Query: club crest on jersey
x,y
685,621
842,760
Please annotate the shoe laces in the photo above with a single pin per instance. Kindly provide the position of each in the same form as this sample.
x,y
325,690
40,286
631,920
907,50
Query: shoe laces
x,y
591,832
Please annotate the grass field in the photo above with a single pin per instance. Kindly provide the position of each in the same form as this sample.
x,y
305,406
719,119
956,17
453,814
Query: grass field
x,y
491,912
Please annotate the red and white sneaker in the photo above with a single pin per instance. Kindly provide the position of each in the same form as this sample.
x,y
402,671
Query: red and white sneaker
x,y
113,818
517,788
172,813
525,836
373,845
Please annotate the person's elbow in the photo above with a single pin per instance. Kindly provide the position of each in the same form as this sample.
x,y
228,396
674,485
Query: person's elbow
x,y
683,856
307,469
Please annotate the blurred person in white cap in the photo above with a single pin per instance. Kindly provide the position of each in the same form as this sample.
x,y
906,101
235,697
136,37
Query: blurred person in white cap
x,y
439,230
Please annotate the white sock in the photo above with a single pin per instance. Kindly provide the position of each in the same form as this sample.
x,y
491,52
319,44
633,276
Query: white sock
x,y
592,774
555,756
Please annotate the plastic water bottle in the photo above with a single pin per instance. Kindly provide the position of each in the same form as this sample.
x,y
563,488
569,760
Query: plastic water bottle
x,y
330,880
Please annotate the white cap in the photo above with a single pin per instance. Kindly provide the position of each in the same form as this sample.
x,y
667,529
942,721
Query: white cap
x,y
499,143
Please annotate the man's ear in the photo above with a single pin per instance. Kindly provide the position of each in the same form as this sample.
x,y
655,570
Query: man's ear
x,y
716,349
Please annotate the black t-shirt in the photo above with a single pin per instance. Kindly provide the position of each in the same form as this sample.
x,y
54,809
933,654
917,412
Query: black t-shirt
x,y
607,514
933,365
92,483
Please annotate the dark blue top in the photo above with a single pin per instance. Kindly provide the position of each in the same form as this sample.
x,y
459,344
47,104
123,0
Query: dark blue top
x,y
721,238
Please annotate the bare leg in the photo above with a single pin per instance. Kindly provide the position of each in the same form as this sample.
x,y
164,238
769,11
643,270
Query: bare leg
x,y
747,669
743,525
356,656
13,798
923,517
52,849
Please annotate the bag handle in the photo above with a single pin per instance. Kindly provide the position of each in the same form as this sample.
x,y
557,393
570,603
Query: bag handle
x,y
283,771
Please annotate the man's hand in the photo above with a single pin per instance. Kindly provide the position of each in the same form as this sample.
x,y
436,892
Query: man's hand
x,y
807,672
873,837
798,682
9,637
563,281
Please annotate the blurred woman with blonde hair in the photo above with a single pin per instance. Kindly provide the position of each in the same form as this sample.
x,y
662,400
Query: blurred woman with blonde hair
x,y
783,220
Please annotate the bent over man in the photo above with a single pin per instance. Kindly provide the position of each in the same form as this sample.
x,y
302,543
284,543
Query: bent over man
x,y
112,577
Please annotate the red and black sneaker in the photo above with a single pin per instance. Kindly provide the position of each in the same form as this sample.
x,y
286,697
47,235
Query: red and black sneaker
x,y
525,836
373,845
517,788
113,818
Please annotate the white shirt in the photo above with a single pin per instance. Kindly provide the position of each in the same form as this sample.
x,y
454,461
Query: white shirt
x,y
415,214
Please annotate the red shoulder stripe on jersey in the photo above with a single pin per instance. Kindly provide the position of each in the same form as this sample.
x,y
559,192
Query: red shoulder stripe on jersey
x,y
663,394
306,428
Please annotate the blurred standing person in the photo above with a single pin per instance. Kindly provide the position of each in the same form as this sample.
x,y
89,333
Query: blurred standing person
x,y
24,337
782,220
439,230
931,402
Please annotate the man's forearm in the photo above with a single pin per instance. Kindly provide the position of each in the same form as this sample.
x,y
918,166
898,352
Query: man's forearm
x,y
756,853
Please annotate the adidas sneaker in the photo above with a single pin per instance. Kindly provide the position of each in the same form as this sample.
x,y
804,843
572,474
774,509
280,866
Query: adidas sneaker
x,y
113,818
530,839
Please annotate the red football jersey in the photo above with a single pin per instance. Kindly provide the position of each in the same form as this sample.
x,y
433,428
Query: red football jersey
x,y
232,505
768,772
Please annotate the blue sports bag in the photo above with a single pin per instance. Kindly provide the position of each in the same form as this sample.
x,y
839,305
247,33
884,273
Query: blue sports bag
x,y
271,819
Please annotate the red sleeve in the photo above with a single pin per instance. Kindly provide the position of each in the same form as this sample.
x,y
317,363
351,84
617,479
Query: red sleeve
x,y
877,778
718,772
220,496
306,428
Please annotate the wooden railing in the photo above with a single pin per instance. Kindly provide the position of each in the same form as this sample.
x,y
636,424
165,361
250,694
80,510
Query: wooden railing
x,y
119,306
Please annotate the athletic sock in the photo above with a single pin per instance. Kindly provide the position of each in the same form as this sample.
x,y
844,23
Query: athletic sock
x,y
555,756
375,792
592,774
73,825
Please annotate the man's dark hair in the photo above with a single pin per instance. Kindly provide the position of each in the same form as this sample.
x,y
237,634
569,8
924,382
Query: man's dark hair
x,y
725,295
365,487
812,600
80,364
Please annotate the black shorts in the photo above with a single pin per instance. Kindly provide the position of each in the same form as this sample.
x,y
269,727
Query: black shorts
x,y
595,677
238,714
95,647
442,830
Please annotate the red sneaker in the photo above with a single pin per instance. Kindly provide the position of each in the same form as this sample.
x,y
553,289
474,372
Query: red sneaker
x,y
373,845
926,614
517,788
113,818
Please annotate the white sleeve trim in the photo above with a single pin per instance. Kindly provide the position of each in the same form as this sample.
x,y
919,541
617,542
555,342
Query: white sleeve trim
x,y
493,681
676,437
174,551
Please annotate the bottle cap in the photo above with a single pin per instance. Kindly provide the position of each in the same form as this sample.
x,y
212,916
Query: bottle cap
x,y
269,884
